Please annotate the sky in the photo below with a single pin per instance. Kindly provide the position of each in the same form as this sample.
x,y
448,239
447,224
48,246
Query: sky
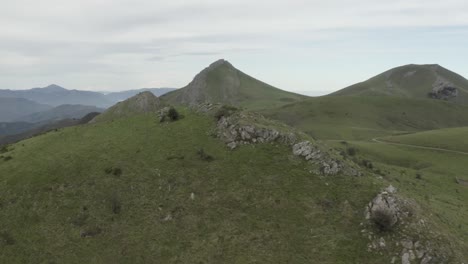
x,y
307,46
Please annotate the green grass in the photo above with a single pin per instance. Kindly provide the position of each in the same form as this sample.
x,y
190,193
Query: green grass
x,y
449,138
428,177
358,118
410,81
258,204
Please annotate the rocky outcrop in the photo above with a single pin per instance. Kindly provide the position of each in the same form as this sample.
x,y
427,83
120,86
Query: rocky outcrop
x,y
384,209
406,236
247,128
235,134
443,89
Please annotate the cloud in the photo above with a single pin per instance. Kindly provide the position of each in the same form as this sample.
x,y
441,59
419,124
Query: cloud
x,y
143,42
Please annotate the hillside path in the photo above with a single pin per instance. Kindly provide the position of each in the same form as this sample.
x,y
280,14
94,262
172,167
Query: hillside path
x,y
419,147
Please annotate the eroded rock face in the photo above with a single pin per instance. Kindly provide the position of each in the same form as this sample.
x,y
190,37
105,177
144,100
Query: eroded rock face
x,y
235,133
410,246
384,209
443,89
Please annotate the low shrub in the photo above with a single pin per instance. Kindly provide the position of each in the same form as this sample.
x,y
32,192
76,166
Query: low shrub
x,y
91,231
383,219
6,238
368,164
3,149
113,171
204,156
173,114
116,205
225,110
351,151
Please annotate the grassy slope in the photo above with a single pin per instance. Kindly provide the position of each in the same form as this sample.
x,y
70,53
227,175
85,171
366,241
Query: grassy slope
x,y
255,204
443,200
416,85
449,138
251,93
353,117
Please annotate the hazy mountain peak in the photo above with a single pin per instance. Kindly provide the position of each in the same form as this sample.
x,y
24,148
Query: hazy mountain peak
x,y
220,62
54,88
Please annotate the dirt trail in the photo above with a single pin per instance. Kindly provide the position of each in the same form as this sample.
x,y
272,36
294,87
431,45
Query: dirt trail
x,y
420,147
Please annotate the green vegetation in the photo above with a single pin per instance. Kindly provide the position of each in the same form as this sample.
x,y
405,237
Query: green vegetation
x,y
358,118
409,81
438,194
60,204
451,139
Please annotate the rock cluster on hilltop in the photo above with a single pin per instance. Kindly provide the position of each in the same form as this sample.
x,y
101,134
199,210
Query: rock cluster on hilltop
x,y
405,236
246,128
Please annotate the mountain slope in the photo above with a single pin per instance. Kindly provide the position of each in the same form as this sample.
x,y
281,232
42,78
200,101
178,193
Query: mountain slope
x,y
449,138
13,108
145,102
222,83
55,95
135,188
123,95
366,117
59,113
414,81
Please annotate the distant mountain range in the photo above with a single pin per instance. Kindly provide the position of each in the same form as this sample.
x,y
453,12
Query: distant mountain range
x,y
13,108
59,113
54,103
55,95
121,96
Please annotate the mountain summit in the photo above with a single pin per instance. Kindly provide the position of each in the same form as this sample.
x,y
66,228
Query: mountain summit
x,y
221,82
414,81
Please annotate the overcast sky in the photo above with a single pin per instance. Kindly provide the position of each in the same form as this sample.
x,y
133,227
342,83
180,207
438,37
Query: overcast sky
x,y
296,45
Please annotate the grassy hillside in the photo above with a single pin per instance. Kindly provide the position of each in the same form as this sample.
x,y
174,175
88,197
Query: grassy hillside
x,y
366,117
135,190
411,81
427,176
222,83
450,138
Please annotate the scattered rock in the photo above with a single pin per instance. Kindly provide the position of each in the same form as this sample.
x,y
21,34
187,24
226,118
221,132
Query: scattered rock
x,y
167,218
407,244
405,258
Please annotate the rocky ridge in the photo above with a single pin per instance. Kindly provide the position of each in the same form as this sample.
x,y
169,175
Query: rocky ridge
x,y
245,128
